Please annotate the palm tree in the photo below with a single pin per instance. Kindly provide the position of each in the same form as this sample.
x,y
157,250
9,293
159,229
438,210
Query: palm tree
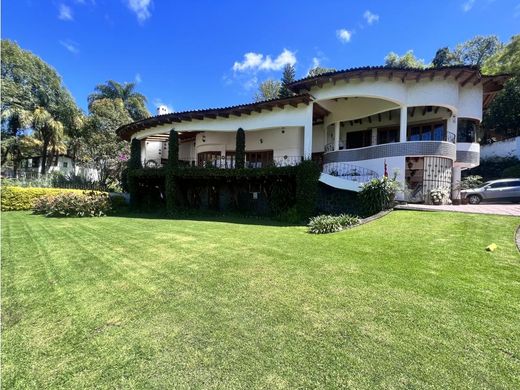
x,y
48,130
15,118
135,102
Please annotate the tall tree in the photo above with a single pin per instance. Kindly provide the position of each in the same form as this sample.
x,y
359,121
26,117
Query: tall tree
x,y
288,76
134,102
317,70
33,95
267,90
445,57
477,50
503,114
102,147
407,60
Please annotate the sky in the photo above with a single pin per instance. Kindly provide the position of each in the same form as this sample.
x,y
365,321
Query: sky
x,y
204,54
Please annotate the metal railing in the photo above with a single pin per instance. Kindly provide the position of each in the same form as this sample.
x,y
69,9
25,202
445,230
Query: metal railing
x,y
228,162
450,137
349,172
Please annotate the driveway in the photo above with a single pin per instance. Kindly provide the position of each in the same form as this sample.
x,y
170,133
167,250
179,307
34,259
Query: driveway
x,y
483,208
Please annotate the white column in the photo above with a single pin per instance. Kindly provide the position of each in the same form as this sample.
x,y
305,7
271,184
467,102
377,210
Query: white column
x,y
403,124
307,134
455,182
374,136
336,135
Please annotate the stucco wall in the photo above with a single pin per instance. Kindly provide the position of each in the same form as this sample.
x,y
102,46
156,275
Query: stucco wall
x,y
508,148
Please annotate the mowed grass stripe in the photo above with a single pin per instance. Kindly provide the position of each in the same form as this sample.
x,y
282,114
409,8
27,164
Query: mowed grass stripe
x,y
411,300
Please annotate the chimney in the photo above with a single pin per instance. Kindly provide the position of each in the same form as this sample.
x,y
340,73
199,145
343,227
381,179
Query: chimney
x,y
161,110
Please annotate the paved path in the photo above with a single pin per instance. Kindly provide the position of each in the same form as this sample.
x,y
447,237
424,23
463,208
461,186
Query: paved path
x,y
483,208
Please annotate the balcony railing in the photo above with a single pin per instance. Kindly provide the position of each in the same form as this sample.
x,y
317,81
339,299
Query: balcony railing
x,y
349,172
228,162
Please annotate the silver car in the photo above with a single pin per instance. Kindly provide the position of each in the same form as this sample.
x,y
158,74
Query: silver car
x,y
504,190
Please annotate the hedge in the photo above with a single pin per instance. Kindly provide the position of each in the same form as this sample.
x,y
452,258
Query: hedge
x,y
23,198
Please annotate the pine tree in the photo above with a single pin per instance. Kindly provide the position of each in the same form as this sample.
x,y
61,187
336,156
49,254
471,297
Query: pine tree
x,y
288,77
171,167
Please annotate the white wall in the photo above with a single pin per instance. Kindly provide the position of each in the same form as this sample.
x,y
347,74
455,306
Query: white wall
x,y
507,148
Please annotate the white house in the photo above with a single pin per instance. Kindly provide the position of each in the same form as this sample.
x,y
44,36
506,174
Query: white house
x,y
31,167
359,123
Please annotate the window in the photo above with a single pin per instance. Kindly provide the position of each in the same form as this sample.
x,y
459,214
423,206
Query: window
x,y
427,132
466,130
386,136
505,184
35,162
65,164
359,139
206,157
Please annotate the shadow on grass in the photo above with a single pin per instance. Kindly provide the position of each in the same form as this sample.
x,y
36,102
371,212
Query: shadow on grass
x,y
205,216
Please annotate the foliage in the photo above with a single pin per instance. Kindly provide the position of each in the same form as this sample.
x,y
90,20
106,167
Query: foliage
x,y
281,198
134,162
240,149
24,198
102,148
307,176
171,167
134,102
440,195
288,76
323,224
267,90
503,114
407,60
318,70
444,57
33,96
477,50
71,180
85,204
492,168
511,172
505,60
378,195
472,181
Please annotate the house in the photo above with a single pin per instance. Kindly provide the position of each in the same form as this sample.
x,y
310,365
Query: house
x,y
358,123
30,167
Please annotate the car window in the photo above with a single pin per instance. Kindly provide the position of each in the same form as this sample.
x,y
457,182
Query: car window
x,y
513,183
498,185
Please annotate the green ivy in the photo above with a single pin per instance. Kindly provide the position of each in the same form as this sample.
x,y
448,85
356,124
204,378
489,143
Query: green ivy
x,y
171,167
307,178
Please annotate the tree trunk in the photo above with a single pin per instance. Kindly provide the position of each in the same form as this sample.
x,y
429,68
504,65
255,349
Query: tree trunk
x,y
45,147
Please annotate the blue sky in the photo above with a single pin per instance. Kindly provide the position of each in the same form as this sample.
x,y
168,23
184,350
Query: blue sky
x,y
199,54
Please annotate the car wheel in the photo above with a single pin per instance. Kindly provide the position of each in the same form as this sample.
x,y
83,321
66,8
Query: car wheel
x,y
474,199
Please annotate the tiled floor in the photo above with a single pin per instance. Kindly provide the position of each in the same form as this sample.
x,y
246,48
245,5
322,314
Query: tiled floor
x,y
483,208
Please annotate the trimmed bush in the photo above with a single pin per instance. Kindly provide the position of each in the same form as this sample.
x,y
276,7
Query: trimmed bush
x,y
171,167
323,224
307,178
472,181
24,198
240,149
511,172
85,204
378,195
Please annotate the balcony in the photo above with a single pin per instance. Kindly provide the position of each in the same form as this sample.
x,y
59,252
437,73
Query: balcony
x,y
228,162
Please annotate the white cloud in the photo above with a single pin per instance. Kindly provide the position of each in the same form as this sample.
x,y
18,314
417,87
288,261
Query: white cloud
x,y
71,46
315,62
138,78
65,12
251,83
370,17
344,35
256,61
468,5
140,8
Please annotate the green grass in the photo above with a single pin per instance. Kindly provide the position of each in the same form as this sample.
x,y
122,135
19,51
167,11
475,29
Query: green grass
x,y
412,300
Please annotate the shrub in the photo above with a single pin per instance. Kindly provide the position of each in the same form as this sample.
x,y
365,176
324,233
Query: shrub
x,y
24,198
472,181
307,179
440,196
281,197
378,195
511,172
85,204
493,168
323,224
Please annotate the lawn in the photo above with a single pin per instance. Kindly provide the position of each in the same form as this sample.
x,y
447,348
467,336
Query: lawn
x,y
411,300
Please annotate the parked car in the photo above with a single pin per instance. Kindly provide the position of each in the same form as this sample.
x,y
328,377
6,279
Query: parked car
x,y
504,190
